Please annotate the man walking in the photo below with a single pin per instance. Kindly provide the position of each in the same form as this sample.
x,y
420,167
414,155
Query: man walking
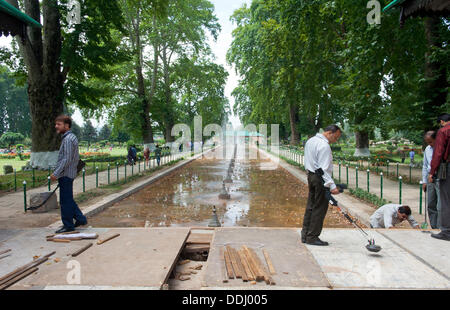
x,y
65,172
440,168
431,188
319,164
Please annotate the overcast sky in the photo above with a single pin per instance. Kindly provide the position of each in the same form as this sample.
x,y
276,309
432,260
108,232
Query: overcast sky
x,y
224,9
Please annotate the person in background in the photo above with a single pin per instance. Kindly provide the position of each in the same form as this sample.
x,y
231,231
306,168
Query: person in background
x,y
432,188
440,169
65,172
146,155
389,215
158,154
130,155
319,164
134,153
411,156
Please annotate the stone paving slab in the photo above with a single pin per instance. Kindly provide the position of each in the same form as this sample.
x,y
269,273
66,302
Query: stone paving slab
x,y
137,258
347,263
295,266
435,253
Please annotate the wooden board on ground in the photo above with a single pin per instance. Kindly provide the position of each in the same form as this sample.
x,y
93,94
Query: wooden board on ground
x,y
138,258
295,266
199,238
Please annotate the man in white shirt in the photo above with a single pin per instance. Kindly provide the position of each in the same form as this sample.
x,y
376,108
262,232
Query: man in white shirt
x,y
390,215
319,165
432,189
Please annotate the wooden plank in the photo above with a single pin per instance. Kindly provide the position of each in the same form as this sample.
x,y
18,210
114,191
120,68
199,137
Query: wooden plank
x,y
107,239
87,246
18,278
190,248
240,265
228,264
5,251
269,262
237,271
259,275
223,269
24,267
199,238
267,278
247,269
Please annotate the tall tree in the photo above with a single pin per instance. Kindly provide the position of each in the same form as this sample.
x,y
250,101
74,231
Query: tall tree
x,y
57,61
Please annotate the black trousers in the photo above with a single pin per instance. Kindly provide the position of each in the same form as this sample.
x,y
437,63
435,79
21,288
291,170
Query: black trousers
x,y
316,209
444,188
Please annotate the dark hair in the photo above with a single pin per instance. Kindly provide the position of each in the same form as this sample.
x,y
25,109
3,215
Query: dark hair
x,y
431,134
405,210
332,128
65,119
444,117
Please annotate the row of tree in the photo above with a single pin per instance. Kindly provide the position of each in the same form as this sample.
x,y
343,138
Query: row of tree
x,y
145,64
308,63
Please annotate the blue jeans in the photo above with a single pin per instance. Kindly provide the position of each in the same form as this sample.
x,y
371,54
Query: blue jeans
x,y
69,208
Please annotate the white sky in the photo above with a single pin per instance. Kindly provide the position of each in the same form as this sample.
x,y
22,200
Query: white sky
x,y
223,9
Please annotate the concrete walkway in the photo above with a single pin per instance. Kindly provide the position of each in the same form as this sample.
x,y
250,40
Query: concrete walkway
x,y
12,205
410,194
142,258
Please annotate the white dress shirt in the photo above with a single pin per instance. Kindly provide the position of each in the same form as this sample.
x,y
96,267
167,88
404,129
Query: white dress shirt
x,y
318,155
426,168
386,216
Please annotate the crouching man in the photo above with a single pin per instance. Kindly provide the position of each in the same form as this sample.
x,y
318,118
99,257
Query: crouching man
x,y
390,215
65,172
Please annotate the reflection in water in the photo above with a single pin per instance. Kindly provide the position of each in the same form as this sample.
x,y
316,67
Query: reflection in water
x,y
271,198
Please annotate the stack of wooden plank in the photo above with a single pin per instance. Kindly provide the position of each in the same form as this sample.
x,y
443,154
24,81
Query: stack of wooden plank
x,y
22,272
245,264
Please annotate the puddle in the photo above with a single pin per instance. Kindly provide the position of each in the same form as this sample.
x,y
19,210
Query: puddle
x,y
258,197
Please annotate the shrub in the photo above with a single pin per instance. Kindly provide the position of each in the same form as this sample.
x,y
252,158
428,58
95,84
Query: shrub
x,y
7,169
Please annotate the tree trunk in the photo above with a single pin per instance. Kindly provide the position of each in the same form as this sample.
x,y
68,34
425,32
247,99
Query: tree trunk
x,y
168,112
293,120
435,90
41,52
146,129
362,143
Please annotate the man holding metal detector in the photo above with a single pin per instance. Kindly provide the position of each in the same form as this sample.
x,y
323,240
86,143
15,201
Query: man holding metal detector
x,y
65,172
319,165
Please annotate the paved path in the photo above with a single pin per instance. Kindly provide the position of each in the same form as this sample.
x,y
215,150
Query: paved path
x,y
142,258
410,193
12,205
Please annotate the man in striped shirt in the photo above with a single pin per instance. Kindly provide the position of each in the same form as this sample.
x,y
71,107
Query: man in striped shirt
x,y
65,172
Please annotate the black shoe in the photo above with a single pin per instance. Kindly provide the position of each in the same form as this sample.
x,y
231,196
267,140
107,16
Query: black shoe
x,y
64,230
317,242
441,236
77,224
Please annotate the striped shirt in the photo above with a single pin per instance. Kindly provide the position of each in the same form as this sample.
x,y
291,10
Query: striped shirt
x,y
68,157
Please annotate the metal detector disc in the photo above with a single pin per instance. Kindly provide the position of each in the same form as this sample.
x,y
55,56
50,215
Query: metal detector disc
x,y
373,248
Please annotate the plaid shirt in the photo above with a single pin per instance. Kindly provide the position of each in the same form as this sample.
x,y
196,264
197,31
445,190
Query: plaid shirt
x,y
68,157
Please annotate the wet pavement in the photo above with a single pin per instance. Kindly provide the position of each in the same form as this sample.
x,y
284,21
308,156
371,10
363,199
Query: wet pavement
x,y
258,197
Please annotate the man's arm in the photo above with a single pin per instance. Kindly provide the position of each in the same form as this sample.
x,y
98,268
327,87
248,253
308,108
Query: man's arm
x,y
425,168
67,150
438,152
325,159
413,222
387,216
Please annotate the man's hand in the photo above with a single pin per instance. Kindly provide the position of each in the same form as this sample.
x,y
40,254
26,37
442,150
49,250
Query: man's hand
x,y
335,191
424,187
430,178
53,178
